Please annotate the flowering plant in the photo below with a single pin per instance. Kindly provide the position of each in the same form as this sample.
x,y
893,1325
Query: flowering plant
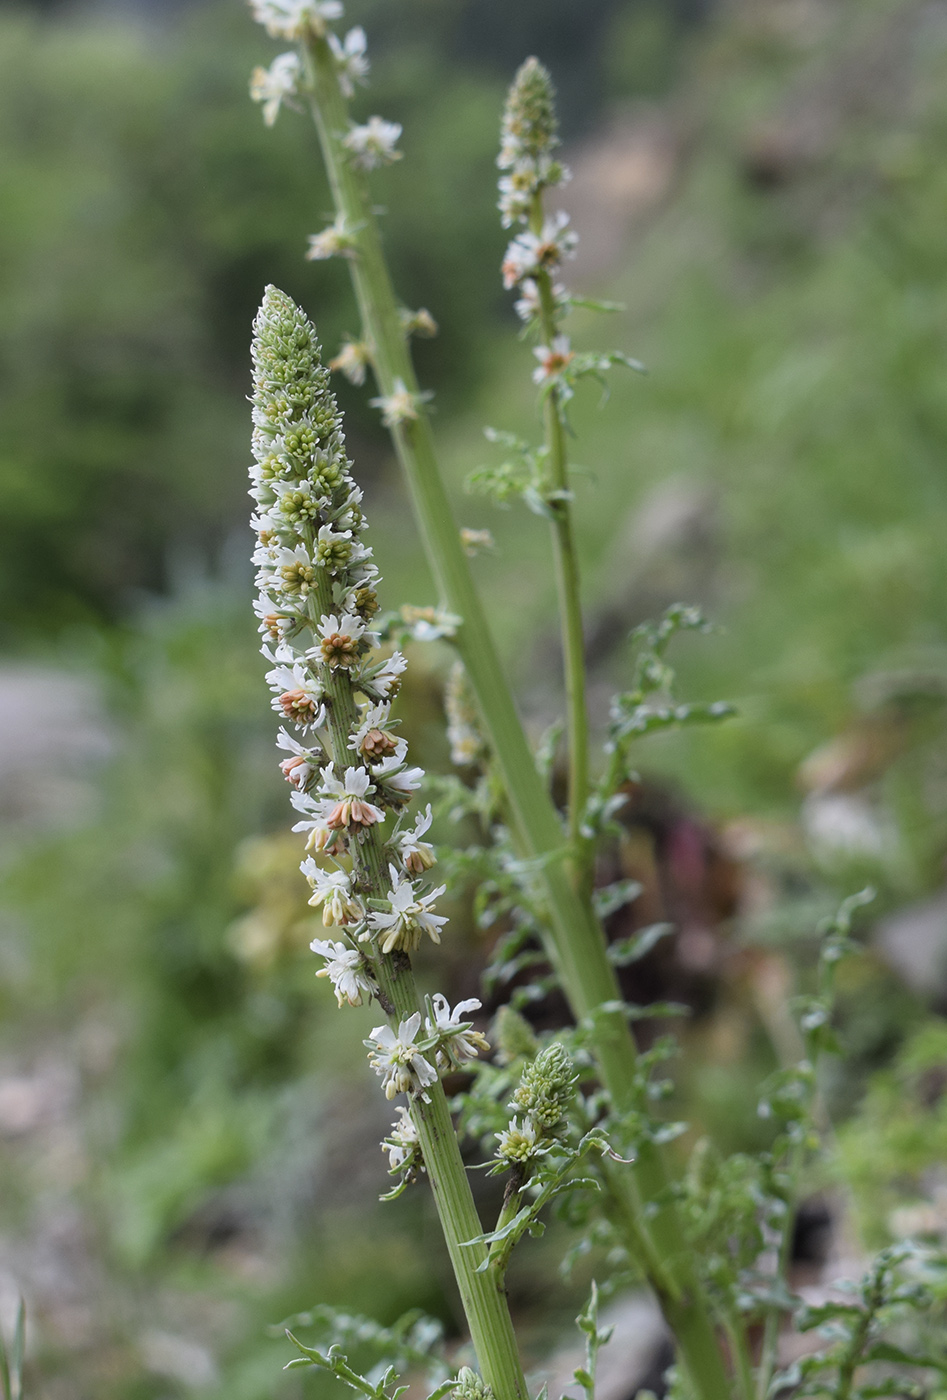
x,y
573,1119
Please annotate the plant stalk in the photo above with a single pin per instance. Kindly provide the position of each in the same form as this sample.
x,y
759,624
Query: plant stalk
x,y
569,592
576,944
483,1298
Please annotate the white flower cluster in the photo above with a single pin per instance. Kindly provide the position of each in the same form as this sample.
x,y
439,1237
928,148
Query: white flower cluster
x,y
275,85
295,19
316,582
335,241
401,405
403,1058
526,156
530,253
373,144
528,139
351,59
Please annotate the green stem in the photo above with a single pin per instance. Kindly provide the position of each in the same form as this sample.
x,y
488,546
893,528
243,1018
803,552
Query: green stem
x,y
568,589
576,944
482,1294
484,1302
769,1348
736,1336
854,1352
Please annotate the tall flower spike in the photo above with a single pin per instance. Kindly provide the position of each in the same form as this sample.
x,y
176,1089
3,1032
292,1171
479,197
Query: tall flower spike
x,y
317,584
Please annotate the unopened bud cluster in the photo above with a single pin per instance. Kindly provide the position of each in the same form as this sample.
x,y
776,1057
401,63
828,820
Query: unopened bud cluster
x,y
539,1105
470,1386
529,137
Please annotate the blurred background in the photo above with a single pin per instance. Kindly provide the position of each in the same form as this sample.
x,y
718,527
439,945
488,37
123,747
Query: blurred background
x,y
189,1138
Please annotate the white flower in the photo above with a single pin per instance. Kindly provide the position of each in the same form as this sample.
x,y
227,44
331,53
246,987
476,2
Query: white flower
x,y
399,782
553,359
465,744
527,176
430,624
345,970
398,1060
301,767
290,572
402,1142
519,1141
373,144
459,1042
528,306
319,835
298,695
372,739
347,805
410,916
529,253
273,85
386,680
340,639
273,617
351,58
419,322
297,505
333,548
517,190
352,360
400,406
417,855
333,890
292,19
476,541
335,241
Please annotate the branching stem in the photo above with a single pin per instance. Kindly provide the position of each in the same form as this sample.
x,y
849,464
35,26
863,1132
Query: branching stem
x,y
575,943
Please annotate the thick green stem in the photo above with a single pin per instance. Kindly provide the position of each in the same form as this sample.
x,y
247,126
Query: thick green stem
x,y
484,1302
743,1369
575,944
482,1294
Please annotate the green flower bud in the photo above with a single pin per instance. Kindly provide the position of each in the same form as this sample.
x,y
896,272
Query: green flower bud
x,y
513,1036
366,603
546,1087
469,1386
529,118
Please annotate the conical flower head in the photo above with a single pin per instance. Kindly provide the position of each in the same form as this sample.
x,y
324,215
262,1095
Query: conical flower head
x,y
546,1087
297,425
529,118
286,364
